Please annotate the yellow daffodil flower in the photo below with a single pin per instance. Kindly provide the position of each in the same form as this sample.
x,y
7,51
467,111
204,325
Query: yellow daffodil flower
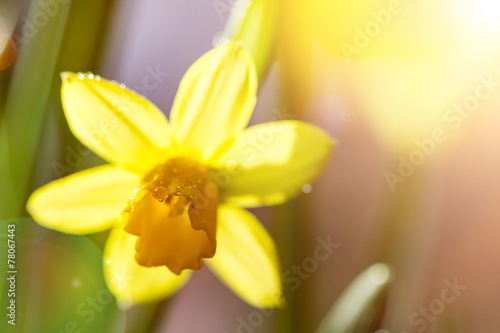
x,y
185,181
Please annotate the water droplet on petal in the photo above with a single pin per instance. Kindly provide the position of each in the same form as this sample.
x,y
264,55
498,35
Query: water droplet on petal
x,y
122,86
306,188
160,193
81,76
90,76
97,78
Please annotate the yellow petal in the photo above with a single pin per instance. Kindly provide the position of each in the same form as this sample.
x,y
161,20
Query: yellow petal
x,y
253,23
88,201
246,258
131,283
270,163
215,99
121,126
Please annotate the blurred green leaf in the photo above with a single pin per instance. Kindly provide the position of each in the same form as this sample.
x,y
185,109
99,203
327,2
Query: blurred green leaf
x,y
355,309
253,22
61,286
26,102
56,36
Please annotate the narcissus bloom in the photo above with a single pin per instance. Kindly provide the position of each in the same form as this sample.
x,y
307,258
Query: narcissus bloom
x,y
173,192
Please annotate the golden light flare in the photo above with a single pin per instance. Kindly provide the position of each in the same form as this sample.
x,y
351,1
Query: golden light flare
x,y
402,64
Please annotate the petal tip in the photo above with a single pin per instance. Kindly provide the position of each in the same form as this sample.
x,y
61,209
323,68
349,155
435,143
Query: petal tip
x,y
32,205
237,48
65,76
232,44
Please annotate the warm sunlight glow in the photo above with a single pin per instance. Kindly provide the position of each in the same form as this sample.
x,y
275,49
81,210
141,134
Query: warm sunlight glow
x,y
484,14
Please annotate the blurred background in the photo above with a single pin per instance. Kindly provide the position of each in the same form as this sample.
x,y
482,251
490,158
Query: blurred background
x,y
410,89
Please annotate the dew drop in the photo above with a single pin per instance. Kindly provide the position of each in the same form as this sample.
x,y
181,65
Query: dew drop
x,y
76,283
90,76
122,86
81,76
306,188
97,78
160,193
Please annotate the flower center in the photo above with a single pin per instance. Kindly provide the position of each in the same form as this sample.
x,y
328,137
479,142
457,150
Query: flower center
x,y
174,215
